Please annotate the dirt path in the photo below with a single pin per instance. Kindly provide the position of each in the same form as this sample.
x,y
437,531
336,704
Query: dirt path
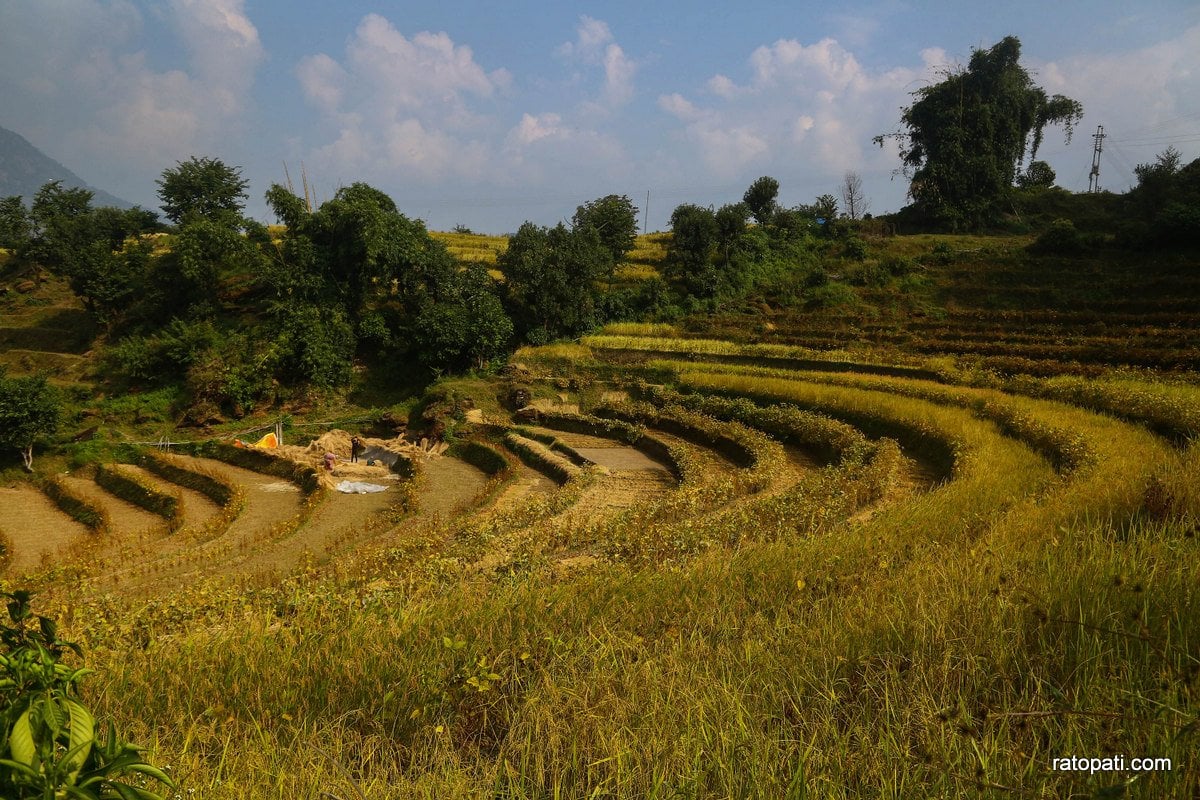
x,y
36,529
450,484
197,509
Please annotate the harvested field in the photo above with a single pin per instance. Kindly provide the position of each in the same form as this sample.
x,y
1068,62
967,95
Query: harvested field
x,y
126,520
338,520
197,509
450,484
35,528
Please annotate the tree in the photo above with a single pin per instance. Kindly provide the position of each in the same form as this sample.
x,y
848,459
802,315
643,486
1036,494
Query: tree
x,y
614,217
761,197
967,136
202,187
14,223
29,410
1038,175
550,280
695,235
468,329
731,225
853,199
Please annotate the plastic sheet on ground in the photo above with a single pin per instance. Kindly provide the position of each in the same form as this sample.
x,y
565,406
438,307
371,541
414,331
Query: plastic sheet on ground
x,y
359,487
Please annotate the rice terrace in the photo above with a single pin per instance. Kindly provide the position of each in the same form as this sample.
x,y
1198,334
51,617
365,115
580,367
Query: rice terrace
x,y
780,503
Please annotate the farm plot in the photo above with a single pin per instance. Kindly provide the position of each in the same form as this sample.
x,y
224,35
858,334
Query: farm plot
x,y
35,531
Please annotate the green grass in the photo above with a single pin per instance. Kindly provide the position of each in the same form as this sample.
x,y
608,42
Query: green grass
x,y
760,631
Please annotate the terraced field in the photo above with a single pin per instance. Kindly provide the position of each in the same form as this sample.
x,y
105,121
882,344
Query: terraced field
x,y
715,566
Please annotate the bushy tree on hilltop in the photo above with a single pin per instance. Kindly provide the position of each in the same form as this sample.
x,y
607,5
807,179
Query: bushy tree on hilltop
x,y
966,137
761,198
550,280
96,249
202,187
614,218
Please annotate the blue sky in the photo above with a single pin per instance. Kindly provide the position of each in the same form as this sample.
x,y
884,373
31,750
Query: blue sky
x,y
491,114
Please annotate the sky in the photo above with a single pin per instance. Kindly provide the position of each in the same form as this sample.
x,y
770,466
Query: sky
x,y
490,114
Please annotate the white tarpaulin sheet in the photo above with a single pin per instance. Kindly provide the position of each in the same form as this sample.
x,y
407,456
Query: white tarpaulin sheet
x,y
358,487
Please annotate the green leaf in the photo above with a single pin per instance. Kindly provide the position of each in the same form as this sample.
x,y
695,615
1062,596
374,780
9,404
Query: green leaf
x,y
80,794
20,741
24,769
127,792
153,772
83,734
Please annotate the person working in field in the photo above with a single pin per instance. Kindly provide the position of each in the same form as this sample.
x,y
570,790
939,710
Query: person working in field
x,y
356,447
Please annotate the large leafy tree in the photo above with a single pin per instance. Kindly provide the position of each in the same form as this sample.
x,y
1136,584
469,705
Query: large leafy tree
x,y
965,138
550,280
202,187
614,218
29,410
761,199
14,223
696,234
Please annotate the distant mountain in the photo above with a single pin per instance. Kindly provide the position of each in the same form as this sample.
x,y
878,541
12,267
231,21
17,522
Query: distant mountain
x,y
24,169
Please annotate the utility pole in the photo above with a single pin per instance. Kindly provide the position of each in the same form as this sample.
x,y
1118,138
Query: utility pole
x,y
646,214
1094,175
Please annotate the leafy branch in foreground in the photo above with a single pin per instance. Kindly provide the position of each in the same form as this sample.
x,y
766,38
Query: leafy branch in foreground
x,y
48,737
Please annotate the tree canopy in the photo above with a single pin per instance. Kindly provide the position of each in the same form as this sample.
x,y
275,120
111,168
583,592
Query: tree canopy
x,y
966,137
550,279
614,217
29,410
202,187
761,198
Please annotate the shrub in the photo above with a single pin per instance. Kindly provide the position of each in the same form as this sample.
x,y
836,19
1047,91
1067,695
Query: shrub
x,y
1061,238
855,248
52,738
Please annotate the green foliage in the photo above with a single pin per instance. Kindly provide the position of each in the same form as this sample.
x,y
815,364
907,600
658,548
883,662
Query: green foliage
x,y
855,248
614,217
15,225
468,329
1061,238
29,410
202,188
550,280
761,198
1165,202
315,344
690,252
1038,175
52,739
966,137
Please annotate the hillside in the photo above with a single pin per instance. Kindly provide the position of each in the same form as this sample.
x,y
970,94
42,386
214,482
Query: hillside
x,y
24,169
914,520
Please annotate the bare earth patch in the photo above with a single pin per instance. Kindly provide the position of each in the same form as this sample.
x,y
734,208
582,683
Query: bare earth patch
x,y
124,519
450,483
36,529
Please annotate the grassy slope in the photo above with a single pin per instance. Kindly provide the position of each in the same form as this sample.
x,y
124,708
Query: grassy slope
x,y
950,645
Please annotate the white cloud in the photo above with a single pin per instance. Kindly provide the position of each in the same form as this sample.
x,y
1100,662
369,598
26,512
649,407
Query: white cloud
x,y
532,128
590,37
679,106
95,97
813,107
595,46
403,105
